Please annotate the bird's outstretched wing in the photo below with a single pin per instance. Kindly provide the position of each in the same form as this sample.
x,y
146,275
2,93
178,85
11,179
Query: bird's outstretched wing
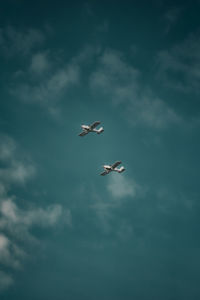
x,y
117,163
104,173
95,124
83,133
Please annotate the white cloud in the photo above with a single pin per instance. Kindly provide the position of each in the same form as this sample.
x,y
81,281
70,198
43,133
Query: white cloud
x,y
106,208
48,89
10,254
115,77
43,78
153,112
8,209
15,221
3,243
51,84
121,82
16,170
13,216
7,148
43,217
120,186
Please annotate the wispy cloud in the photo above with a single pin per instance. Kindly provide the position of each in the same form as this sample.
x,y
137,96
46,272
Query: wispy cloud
x,y
10,253
19,42
12,214
120,190
16,170
40,63
49,87
171,17
87,10
45,80
120,81
120,186
6,280
43,77
178,66
16,221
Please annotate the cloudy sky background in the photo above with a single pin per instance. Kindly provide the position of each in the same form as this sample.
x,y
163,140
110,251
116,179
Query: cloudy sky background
x,y
66,232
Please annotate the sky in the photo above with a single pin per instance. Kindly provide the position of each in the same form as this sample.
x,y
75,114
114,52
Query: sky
x,y
65,231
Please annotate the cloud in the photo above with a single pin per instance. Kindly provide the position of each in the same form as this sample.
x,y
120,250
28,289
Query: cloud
x,y
18,42
43,77
103,27
120,81
16,221
39,63
35,216
49,89
7,148
16,170
107,208
10,253
113,74
107,218
153,112
45,82
178,66
120,186
171,17
5,280
88,10
104,216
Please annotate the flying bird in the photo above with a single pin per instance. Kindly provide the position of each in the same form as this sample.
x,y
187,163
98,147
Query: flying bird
x,y
110,168
91,128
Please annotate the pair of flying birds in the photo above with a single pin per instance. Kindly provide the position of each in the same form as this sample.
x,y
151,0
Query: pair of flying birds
x,y
107,168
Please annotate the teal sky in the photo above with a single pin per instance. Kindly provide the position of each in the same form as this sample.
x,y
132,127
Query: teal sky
x,y
65,231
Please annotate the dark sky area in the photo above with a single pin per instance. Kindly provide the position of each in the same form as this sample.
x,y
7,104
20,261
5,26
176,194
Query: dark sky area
x,y
65,231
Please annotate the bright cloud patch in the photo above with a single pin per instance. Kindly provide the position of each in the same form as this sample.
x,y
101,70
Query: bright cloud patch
x,y
16,222
107,208
120,187
16,170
